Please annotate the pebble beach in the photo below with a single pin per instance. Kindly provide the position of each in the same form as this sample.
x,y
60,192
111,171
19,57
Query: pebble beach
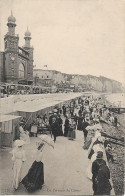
x,y
117,167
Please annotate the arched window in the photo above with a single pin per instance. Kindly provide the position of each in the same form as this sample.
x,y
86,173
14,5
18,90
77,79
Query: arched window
x,y
21,70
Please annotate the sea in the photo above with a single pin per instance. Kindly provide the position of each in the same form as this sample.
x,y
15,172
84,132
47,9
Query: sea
x,y
116,99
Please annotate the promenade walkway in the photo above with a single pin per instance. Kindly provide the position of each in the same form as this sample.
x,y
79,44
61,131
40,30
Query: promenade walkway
x,y
65,169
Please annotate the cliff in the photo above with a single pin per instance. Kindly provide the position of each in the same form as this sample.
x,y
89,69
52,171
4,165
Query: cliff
x,y
89,82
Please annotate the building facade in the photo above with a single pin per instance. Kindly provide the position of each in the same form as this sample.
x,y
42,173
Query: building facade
x,y
16,63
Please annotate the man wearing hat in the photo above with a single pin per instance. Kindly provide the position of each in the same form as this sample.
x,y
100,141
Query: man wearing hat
x,y
50,121
59,124
95,168
64,110
84,125
50,117
54,127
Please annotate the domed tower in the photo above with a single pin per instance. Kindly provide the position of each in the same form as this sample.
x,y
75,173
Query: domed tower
x,y
27,38
11,24
30,49
11,50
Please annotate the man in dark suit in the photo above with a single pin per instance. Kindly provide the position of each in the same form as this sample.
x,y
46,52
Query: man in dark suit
x,y
54,127
50,121
84,125
95,168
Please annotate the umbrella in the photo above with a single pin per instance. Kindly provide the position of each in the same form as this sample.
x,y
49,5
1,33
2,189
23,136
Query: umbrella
x,y
94,127
47,139
18,143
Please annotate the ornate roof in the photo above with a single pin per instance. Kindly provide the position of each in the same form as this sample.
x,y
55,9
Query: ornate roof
x,y
27,33
11,19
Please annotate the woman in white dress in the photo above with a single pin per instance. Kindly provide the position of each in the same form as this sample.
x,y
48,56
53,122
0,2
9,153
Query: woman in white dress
x,y
18,160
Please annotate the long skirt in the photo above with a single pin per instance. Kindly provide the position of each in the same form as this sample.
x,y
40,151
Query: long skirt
x,y
35,177
17,173
71,134
103,187
66,131
60,132
80,121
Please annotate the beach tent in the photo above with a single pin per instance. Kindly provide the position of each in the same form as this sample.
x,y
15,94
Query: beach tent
x,y
8,129
32,108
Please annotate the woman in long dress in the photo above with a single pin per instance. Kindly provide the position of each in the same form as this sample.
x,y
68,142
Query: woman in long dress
x,y
71,130
18,160
35,176
66,125
80,120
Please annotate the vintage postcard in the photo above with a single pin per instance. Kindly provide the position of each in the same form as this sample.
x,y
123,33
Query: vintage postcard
x,y
62,97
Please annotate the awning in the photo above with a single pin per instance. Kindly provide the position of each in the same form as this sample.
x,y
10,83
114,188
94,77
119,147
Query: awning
x,y
4,118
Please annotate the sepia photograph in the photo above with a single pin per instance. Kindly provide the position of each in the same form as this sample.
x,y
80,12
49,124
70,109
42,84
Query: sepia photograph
x,y
62,97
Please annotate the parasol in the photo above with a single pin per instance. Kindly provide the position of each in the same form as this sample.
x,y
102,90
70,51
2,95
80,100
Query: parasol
x,y
18,143
47,139
94,127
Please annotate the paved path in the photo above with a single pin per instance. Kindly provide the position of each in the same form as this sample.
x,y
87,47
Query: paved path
x,y
65,169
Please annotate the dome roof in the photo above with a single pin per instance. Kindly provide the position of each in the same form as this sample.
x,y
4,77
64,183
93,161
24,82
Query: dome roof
x,y
11,18
27,33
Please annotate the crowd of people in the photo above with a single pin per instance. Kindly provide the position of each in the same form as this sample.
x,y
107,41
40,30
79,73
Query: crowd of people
x,y
83,114
4,93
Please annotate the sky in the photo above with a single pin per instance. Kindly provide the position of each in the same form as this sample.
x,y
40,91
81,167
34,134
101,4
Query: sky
x,y
71,36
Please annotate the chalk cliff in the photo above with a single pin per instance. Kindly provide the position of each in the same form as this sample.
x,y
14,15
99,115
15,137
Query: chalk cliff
x,y
89,82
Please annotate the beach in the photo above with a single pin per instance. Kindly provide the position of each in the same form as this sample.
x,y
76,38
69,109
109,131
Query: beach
x,y
116,99
117,167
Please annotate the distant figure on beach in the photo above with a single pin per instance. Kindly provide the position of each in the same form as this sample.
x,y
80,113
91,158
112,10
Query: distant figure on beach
x,y
109,154
84,125
54,128
71,130
66,126
115,121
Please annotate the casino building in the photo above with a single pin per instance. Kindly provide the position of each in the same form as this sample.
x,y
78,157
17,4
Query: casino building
x,y
16,63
